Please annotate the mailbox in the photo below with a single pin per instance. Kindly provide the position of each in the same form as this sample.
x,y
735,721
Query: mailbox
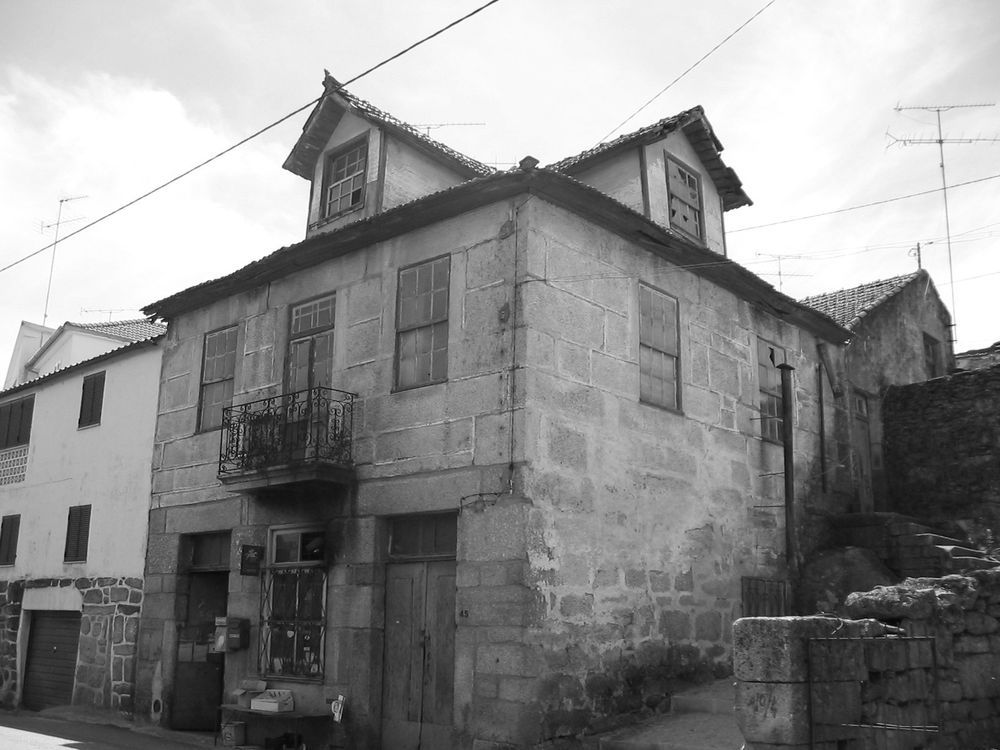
x,y
231,634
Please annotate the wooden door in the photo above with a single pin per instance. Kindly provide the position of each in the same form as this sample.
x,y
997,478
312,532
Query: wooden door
x,y
419,668
50,670
198,676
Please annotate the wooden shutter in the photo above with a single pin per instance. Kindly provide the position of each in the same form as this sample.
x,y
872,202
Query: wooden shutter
x,y
8,539
77,533
92,400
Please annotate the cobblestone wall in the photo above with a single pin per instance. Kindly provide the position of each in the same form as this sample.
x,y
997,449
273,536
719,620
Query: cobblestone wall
x,y
109,626
942,448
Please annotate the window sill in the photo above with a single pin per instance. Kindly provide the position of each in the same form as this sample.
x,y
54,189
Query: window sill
x,y
669,409
311,680
329,219
403,389
87,426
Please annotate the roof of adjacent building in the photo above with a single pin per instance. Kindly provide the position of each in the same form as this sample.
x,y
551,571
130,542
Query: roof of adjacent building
x,y
696,127
125,348
850,306
132,330
325,116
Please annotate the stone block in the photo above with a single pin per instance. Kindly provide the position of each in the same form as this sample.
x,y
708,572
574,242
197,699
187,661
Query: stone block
x,y
514,659
497,532
779,712
774,649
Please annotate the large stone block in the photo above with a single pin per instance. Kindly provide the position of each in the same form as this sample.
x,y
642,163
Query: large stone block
x,y
779,712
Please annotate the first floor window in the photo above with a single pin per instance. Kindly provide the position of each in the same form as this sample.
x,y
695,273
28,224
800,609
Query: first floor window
x,y
772,424
422,324
218,368
92,400
931,359
77,534
659,349
15,422
9,528
293,604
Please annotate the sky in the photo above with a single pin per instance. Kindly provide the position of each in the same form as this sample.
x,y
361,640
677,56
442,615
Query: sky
x,y
103,100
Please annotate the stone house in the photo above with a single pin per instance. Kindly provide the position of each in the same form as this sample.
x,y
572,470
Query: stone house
x,y
978,359
901,334
493,455
75,453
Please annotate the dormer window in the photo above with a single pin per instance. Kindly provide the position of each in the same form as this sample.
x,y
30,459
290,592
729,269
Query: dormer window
x,y
684,186
344,179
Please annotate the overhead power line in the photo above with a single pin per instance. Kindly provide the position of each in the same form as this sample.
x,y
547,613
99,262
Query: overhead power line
x,y
692,67
862,205
250,137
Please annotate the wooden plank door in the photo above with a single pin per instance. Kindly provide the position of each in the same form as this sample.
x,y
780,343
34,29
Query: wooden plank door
x,y
419,668
198,680
53,642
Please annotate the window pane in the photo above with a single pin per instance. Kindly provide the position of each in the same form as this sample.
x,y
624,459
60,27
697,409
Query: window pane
x,y
286,547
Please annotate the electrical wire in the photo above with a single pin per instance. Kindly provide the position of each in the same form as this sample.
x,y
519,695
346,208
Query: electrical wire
x,y
692,67
863,205
236,145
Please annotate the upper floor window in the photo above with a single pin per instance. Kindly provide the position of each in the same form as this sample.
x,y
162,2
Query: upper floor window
x,y
9,528
344,179
310,347
659,349
92,400
15,422
293,612
218,369
772,423
932,359
77,534
684,186
422,323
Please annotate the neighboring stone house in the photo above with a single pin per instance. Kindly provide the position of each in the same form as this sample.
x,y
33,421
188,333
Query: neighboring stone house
x,y
901,334
978,359
75,455
490,454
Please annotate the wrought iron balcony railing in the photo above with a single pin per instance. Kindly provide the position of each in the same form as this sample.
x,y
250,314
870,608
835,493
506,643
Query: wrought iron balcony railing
x,y
307,427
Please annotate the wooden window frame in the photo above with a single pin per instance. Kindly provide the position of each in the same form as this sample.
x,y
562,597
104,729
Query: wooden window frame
x,y
698,209
10,527
433,324
309,333
92,399
207,383
77,534
932,356
425,526
330,183
772,426
647,343
14,433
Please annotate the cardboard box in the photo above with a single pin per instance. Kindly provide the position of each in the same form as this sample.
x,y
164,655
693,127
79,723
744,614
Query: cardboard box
x,y
247,691
276,701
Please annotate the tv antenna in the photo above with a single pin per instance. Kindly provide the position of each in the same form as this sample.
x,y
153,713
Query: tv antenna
x,y
109,310
55,243
780,275
940,141
429,126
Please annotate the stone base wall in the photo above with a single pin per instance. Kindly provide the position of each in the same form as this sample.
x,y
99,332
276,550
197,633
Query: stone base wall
x,y
109,626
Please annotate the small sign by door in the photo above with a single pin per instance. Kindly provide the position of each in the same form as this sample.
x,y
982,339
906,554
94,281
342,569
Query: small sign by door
x,y
251,557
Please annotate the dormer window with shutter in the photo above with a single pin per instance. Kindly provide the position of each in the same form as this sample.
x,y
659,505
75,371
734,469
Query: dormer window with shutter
x,y
684,186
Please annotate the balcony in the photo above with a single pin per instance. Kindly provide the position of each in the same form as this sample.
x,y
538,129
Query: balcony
x,y
294,439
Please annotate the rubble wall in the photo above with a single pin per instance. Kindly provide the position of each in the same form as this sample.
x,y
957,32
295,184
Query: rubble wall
x,y
942,449
870,678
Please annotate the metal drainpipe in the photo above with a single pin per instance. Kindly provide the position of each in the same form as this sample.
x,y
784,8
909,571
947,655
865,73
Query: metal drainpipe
x,y
791,535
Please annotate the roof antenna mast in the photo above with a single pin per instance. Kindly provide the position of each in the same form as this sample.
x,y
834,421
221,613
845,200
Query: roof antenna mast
x,y
55,242
940,141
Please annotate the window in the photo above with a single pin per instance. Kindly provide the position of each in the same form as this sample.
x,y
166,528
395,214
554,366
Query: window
x,y
659,349
684,186
77,534
931,359
310,348
92,400
8,539
15,422
344,180
424,536
422,324
217,369
772,425
293,604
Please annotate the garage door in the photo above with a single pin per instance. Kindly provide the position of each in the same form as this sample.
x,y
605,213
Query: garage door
x,y
51,663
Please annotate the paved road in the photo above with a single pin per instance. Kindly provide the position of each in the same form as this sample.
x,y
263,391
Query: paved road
x,y
25,731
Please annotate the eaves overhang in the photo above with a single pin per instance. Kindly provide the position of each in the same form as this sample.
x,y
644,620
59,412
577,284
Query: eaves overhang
x,y
554,187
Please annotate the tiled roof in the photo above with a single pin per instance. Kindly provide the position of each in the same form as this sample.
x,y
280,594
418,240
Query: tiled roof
x,y
133,330
849,306
697,129
321,124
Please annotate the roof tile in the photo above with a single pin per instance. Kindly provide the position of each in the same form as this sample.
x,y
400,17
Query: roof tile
x,y
849,306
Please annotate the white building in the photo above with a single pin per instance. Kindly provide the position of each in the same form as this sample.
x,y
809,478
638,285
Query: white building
x,y
76,436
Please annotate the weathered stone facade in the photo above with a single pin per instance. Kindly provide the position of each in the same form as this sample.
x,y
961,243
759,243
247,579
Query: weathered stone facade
x,y
943,450
109,627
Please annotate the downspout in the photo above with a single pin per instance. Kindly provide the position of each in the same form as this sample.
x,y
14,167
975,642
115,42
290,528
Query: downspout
x,y
822,427
791,532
